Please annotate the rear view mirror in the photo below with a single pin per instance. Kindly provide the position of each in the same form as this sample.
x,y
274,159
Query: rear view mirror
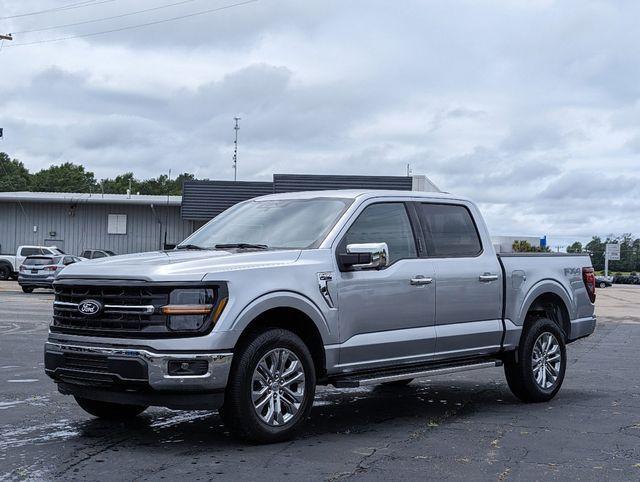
x,y
365,256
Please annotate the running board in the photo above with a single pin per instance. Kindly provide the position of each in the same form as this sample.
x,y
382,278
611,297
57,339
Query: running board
x,y
352,381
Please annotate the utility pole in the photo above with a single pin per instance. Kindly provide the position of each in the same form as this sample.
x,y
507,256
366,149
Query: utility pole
x,y
235,150
408,170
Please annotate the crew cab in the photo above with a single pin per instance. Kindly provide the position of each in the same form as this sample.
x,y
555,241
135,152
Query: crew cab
x,y
285,292
10,264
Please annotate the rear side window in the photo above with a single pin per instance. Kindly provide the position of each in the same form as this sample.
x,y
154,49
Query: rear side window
x,y
86,254
99,254
449,230
30,251
383,223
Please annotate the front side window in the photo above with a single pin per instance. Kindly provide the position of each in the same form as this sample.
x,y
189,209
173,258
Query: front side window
x,y
449,230
276,223
383,223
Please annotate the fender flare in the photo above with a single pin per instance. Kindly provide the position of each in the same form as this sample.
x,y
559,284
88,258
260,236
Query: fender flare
x,y
540,288
282,299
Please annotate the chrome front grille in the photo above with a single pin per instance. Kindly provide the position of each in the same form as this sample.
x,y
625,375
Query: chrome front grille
x,y
129,311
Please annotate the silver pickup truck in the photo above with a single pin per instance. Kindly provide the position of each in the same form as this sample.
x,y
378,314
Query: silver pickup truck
x,y
285,292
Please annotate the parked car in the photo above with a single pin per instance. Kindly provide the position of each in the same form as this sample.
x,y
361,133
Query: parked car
x,y
281,293
41,271
97,253
9,264
604,281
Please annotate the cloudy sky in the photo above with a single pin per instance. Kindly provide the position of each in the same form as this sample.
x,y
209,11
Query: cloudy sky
x,y
530,107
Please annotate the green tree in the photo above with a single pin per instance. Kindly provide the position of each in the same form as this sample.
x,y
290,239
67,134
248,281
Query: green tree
x,y
67,177
120,184
595,248
13,175
522,246
575,247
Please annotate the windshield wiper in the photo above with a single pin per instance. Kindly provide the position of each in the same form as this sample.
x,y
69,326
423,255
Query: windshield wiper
x,y
241,246
190,246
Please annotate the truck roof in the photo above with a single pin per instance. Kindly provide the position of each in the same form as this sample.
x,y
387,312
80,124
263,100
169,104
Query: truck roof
x,y
363,194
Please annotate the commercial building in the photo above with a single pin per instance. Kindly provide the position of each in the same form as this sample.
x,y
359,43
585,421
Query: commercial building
x,y
134,223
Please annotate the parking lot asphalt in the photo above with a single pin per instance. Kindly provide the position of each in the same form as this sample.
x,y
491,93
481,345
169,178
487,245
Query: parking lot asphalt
x,y
460,427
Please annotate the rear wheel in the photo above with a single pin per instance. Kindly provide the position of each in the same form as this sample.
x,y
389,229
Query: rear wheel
x,y
109,410
27,289
5,271
603,285
271,387
537,372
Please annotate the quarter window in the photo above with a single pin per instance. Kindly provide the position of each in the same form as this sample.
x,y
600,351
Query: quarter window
x,y
449,230
383,223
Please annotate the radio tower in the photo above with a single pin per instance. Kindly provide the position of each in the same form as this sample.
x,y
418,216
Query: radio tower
x,y
235,150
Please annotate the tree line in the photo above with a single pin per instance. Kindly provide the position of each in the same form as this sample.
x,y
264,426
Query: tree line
x,y
629,252
70,177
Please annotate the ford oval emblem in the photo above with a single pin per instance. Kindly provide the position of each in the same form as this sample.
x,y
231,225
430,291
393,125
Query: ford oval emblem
x,y
89,307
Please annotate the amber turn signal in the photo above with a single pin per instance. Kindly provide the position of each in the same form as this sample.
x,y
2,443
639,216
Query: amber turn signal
x,y
187,309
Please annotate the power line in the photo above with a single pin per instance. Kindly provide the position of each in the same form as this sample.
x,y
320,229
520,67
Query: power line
x,y
70,6
102,19
130,27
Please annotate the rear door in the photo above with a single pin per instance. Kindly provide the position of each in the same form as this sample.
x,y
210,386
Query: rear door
x,y
384,318
468,280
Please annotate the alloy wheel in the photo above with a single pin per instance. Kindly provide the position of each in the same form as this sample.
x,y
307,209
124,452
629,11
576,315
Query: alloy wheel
x,y
546,360
278,387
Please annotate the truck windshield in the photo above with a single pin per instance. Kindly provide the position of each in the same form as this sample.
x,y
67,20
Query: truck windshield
x,y
282,223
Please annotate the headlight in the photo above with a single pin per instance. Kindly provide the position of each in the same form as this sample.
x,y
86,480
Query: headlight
x,y
192,309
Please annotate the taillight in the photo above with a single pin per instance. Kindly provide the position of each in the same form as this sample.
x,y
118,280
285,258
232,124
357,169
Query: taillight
x,y
589,278
22,268
53,268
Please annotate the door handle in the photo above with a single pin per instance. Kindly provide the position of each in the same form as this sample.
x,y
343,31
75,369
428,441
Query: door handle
x,y
487,277
420,280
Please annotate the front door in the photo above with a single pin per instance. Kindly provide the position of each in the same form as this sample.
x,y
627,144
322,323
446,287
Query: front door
x,y
385,318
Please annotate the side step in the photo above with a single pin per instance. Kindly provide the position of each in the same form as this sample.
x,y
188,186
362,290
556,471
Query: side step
x,y
375,378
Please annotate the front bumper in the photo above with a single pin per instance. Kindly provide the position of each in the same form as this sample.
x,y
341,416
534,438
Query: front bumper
x,y
95,371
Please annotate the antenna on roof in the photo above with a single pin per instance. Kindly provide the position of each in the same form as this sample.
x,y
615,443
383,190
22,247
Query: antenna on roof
x,y
235,150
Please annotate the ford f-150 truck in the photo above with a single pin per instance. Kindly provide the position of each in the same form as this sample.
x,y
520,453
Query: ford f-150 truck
x,y
285,292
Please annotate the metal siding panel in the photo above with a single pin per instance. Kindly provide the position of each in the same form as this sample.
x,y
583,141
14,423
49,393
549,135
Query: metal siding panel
x,y
313,182
206,199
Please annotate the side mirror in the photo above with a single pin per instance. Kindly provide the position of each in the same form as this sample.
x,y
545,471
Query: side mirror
x,y
365,256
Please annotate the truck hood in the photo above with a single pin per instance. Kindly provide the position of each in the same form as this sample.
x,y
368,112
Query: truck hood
x,y
177,265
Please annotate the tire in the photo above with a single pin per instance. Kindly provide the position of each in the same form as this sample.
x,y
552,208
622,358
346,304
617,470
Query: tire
x,y
519,370
27,289
114,411
398,383
5,272
603,285
269,349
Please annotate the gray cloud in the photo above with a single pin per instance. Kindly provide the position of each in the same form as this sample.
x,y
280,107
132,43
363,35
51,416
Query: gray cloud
x,y
532,108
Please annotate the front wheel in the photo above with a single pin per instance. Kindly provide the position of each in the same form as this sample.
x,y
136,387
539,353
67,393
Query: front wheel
x,y
603,285
271,387
536,374
109,410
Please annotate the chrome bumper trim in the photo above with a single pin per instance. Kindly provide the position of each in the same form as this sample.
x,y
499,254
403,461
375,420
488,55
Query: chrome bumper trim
x,y
159,379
